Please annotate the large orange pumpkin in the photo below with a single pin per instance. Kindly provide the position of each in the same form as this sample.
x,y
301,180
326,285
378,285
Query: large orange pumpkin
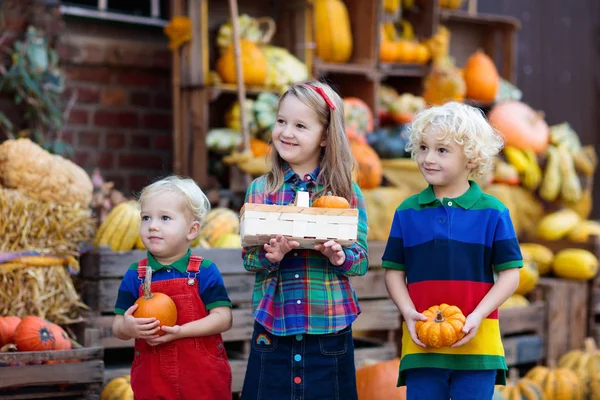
x,y
443,326
8,326
481,77
443,84
155,305
521,126
34,334
62,341
254,64
370,172
378,381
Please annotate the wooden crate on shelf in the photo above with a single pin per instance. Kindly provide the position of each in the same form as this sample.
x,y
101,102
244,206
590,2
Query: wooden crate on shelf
x,y
523,332
52,374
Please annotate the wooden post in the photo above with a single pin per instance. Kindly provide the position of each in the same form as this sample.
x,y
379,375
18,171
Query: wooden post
x,y
176,9
472,7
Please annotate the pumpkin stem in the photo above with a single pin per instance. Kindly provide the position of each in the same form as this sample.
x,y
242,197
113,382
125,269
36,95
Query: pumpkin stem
x,y
439,317
148,283
590,345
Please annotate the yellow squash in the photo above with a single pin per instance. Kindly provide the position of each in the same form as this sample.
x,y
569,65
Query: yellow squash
x,y
540,255
333,34
578,264
121,227
556,225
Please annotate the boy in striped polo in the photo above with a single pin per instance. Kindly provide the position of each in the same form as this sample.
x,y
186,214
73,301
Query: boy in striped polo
x,y
452,244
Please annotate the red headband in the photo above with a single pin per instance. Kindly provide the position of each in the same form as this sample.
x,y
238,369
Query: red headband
x,y
321,92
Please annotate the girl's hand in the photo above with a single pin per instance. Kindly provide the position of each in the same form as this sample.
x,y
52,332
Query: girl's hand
x,y
172,333
470,329
333,251
411,318
279,247
139,328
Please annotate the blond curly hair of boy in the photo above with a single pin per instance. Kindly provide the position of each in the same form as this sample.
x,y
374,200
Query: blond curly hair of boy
x,y
466,125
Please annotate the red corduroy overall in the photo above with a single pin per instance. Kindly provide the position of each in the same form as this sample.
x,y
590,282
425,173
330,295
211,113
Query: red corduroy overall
x,y
185,369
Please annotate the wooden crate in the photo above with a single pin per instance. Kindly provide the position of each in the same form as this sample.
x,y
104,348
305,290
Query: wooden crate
x,y
34,378
523,333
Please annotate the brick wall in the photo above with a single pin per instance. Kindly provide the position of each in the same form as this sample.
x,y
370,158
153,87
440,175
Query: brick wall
x,y
121,122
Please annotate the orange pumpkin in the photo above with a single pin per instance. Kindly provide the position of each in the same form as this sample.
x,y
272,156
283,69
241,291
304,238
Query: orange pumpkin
x,y
481,77
8,326
259,147
155,305
330,201
63,342
521,126
378,381
34,334
254,64
444,84
443,326
388,51
370,171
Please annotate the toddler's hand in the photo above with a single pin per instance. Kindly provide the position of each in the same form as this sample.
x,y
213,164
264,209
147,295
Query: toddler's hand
x,y
139,328
332,250
171,333
278,247
411,319
469,329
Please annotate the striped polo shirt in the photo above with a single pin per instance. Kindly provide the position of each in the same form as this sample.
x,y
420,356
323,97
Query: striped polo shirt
x,y
450,250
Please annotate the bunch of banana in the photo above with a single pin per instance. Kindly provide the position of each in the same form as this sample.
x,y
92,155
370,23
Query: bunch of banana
x,y
526,164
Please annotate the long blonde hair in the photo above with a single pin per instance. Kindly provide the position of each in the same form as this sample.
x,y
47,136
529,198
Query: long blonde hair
x,y
337,162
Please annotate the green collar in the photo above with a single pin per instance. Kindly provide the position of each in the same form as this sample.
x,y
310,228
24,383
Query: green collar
x,y
466,201
180,265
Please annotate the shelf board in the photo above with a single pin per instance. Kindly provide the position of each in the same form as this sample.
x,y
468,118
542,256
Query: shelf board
x,y
323,68
481,19
409,70
221,88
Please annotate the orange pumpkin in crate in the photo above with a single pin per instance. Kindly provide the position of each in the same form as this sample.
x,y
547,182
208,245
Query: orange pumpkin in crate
x,y
156,305
370,171
8,326
443,326
34,334
63,342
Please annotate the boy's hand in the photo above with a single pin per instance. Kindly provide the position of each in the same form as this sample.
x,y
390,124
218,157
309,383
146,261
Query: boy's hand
x,y
332,250
469,329
171,333
411,319
278,247
139,328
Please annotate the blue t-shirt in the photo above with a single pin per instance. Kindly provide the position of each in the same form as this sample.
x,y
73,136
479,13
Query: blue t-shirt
x,y
210,282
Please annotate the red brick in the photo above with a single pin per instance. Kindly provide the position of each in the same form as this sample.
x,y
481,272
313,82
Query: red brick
x,y
157,121
138,78
79,117
117,119
68,136
88,74
83,158
162,59
140,141
162,101
87,94
117,179
114,97
163,142
115,140
140,160
137,182
89,139
141,99
105,160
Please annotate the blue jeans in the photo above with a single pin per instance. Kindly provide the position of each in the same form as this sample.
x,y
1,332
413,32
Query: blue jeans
x,y
442,384
303,367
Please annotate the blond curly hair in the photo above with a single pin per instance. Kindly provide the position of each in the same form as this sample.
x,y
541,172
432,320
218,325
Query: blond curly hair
x,y
464,124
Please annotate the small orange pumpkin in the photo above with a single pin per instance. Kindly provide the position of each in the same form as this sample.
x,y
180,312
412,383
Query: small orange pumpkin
x,y
63,342
521,126
254,64
443,327
378,381
155,305
331,201
34,334
481,77
8,326
259,147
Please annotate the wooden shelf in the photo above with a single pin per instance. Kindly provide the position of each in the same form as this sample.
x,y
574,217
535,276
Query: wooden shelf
x,y
481,19
410,70
322,68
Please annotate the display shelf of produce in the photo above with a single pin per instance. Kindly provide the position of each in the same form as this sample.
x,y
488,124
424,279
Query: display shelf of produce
x,y
489,20
323,69
411,70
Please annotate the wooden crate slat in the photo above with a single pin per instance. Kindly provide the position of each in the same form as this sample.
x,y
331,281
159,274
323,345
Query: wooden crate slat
x,y
86,353
69,373
527,319
523,349
377,315
370,286
51,392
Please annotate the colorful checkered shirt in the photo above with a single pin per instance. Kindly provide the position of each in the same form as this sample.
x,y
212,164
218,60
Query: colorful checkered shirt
x,y
304,292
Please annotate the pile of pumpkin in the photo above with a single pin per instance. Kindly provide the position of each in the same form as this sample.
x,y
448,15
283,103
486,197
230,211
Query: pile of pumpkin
x,y
120,231
262,64
399,45
31,333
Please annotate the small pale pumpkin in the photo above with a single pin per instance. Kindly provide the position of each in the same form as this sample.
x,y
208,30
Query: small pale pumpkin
x,y
155,305
443,327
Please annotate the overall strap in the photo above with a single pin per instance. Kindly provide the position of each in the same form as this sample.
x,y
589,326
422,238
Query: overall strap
x,y
141,269
194,264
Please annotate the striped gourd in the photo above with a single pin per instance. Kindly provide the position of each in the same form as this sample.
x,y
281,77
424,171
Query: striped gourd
x,y
121,227
586,364
557,383
520,389
219,221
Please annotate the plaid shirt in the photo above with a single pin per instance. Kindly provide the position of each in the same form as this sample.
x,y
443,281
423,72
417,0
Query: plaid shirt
x,y
304,292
